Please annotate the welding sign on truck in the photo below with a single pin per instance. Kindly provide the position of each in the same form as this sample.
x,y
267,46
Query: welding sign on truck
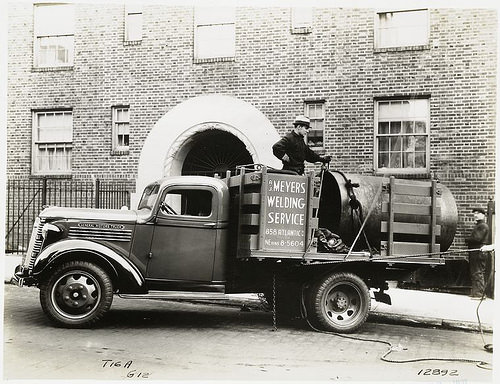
x,y
286,209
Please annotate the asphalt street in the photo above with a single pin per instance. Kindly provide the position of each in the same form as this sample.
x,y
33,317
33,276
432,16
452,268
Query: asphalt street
x,y
164,340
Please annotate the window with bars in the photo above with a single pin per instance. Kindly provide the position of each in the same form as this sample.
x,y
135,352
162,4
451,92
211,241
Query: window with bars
x,y
316,112
52,142
133,22
402,136
302,18
121,128
54,35
214,35
402,28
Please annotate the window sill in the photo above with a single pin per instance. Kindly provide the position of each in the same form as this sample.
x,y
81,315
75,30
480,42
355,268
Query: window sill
x,y
132,42
51,176
402,49
404,173
53,69
120,152
318,150
213,60
301,30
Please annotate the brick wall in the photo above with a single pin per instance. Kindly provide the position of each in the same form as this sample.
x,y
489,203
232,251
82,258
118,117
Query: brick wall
x,y
274,70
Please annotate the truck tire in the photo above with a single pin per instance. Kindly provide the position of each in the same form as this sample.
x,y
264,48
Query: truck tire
x,y
77,294
339,302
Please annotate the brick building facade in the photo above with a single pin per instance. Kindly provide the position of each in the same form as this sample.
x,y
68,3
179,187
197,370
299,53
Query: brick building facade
x,y
346,64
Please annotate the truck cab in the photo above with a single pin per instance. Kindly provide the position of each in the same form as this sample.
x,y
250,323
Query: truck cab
x,y
182,243
175,240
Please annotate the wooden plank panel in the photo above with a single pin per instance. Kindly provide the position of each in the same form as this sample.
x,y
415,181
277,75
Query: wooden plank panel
x,y
412,189
251,199
233,181
253,178
249,241
390,223
406,248
433,214
249,219
314,223
410,228
412,209
315,202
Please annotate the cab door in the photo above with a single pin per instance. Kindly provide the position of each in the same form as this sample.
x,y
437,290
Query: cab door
x,y
184,239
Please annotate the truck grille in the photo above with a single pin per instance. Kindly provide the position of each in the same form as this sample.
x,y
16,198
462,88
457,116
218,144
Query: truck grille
x,y
35,244
106,234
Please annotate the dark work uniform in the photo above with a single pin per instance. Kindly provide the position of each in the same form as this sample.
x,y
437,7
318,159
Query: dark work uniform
x,y
297,150
478,259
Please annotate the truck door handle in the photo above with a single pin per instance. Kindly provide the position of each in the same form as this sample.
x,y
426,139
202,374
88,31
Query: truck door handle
x,y
209,224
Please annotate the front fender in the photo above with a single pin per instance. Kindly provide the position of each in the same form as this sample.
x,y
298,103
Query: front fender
x,y
129,277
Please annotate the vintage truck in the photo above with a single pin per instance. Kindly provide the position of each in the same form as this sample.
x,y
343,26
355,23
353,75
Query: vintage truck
x,y
317,246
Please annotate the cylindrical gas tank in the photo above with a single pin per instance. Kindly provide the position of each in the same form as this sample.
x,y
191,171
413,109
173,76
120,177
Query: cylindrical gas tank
x,y
336,213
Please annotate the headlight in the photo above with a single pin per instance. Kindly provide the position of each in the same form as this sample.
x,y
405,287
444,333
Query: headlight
x,y
49,227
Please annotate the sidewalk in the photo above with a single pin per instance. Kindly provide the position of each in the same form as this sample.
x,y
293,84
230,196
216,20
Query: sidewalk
x,y
409,307
437,309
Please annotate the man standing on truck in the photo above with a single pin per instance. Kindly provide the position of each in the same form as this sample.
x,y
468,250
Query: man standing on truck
x,y
292,149
477,258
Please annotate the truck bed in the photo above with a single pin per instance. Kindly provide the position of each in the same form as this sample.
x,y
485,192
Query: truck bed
x,y
276,216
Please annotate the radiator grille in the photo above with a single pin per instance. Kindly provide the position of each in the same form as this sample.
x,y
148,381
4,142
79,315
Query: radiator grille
x,y
35,244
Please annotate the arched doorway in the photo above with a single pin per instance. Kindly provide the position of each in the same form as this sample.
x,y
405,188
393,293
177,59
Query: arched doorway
x,y
215,152
175,135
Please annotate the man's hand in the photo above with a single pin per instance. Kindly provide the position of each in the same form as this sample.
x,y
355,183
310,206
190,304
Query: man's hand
x,y
285,158
488,248
326,159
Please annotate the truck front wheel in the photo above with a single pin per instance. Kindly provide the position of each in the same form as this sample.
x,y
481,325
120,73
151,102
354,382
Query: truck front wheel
x,y
76,295
339,302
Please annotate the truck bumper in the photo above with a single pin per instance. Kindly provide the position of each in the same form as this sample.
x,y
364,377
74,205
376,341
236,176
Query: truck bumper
x,y
21,277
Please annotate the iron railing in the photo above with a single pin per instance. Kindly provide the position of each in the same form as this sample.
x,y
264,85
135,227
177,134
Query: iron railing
x,y
27,197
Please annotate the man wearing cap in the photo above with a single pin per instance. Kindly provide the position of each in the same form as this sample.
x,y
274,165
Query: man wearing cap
x,y
292,149
477,259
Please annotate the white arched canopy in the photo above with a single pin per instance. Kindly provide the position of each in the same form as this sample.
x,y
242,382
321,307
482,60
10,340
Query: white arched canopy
x,y
168,143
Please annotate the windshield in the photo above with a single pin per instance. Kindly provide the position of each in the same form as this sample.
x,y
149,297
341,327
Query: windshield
x,y
149,197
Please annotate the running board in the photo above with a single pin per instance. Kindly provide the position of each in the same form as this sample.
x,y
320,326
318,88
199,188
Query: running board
x,y
177,295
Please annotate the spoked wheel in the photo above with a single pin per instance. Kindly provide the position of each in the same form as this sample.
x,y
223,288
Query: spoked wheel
x,y
339,302
77,294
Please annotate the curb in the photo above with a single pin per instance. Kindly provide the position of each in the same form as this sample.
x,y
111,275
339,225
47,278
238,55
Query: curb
x,y
417,321
10,261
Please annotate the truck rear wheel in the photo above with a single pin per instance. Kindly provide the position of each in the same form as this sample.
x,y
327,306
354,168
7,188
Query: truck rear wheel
x,y
76,295
339,302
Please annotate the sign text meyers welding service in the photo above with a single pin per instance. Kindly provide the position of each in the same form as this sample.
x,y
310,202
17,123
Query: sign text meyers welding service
x,y
286,210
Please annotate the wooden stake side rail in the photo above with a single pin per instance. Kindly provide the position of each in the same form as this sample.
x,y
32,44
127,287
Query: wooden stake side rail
x,y
277,219
430,210
275,211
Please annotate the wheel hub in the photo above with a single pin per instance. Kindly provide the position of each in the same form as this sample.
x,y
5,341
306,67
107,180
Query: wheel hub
x,y
340,302
342,305
75,295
